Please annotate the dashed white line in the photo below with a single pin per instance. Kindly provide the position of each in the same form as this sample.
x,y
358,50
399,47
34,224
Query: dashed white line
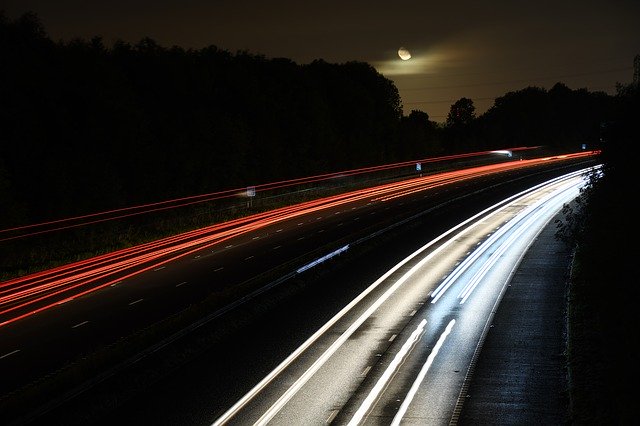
x,y
322,230
219,269
229,246
116,283
80,324
413,313
277,247
137,301
161,267
365,371
10,353
181,284
340,224
247,258
278,230
197,257
255,238
301,223
301,238
392,338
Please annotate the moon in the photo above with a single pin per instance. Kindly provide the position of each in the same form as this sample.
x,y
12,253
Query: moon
x,y
404,54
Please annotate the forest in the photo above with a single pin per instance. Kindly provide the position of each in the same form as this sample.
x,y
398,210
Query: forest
x,y
88,127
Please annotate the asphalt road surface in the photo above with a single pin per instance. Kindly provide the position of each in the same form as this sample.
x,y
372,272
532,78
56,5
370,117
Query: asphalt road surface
x,y
196,377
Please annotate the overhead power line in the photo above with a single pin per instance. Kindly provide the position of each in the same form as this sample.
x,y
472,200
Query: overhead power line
x,y
557,77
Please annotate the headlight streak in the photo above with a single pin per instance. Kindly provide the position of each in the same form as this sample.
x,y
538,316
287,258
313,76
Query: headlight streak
x,y
421,375
543,209
382,381
276,407
293,389
469,261
275,372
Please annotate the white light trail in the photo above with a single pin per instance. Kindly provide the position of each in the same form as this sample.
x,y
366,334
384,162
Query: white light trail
x,y
423,372
482,248
275,408
382,381
544,207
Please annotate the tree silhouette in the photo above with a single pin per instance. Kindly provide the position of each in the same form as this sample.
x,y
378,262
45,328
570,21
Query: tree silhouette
x,y
462,113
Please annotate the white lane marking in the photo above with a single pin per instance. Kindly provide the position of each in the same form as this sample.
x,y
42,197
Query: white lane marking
x,y
413,313
181,284
247,258
219,269
137,301
301,223
319,217
229,246
423,372
255,238
159,268
277,247
301,238
365,371
278,230
116,283
320,231
341,223
392,338
80,324
337,212
382,381
197,257
10,353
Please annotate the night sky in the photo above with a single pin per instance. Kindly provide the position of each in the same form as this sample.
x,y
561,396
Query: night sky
x,y
479,50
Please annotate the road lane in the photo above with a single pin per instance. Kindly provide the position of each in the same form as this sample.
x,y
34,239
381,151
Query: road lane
x,y
324,379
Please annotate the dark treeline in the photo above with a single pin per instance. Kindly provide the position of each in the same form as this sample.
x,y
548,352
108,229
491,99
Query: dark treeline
x,y
86,127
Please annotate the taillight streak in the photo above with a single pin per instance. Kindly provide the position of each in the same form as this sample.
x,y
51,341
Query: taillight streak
x,y
89,275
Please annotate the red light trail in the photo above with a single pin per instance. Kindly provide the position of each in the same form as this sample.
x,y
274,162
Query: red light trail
x,y
27,295
30,230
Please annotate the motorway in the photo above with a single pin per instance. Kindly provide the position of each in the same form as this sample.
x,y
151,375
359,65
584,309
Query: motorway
x,y
42,334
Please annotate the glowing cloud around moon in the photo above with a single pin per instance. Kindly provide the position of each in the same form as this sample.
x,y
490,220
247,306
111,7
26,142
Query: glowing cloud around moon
x,y
404,54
